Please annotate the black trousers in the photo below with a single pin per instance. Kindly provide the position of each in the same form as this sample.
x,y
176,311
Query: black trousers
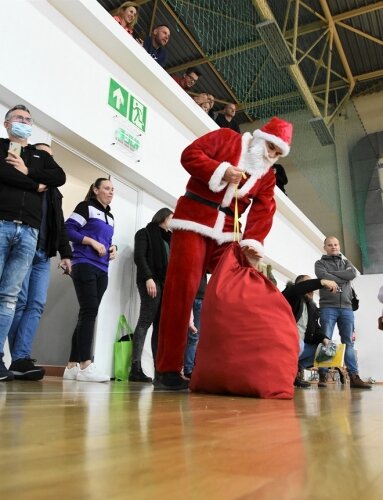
x,y
150,311
90,284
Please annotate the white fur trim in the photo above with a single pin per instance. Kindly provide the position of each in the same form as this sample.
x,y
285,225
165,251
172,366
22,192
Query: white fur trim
x,y
215,233
254,244
216,184
248,186
282,145
228,196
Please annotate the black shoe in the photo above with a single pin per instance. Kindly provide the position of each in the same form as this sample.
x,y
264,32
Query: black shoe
x,y
170,381
301,383
341,376
188,375
25,369
5,375
139,376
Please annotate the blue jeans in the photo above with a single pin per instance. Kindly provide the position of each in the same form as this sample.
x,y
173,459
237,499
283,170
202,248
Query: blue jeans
x,y
17,248
306,357
344,318
29,307
193,338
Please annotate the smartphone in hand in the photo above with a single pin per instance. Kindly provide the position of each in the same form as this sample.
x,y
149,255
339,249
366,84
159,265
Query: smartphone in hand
x,y
15,148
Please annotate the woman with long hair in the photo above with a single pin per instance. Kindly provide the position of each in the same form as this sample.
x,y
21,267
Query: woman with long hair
x,y
90,229
151,255
126,15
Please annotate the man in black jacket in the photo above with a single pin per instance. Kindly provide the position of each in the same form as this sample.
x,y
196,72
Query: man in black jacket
x,y
25,174
33,294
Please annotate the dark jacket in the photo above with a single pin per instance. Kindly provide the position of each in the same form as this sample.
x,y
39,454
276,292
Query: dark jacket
x,y
57,237
202,288
294,294
224,123
150,253
19,199
340,270
159,55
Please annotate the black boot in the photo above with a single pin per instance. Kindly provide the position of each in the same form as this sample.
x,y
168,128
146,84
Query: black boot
x,y
300,381
137,375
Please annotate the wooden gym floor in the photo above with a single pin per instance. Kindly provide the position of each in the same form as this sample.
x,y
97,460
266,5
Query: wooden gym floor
x,y
75,440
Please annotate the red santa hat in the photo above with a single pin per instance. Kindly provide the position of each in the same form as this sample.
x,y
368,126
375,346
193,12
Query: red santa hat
x,y
277,131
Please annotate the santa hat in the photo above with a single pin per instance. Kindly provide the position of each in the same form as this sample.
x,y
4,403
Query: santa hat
x,y
278,132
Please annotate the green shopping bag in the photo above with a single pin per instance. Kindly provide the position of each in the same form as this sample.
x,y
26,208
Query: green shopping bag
x,y
123,348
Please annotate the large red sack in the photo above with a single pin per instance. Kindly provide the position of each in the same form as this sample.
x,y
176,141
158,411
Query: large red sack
x,y
249,340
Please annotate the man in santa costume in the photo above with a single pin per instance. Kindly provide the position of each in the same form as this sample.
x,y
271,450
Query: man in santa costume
x,y
223,165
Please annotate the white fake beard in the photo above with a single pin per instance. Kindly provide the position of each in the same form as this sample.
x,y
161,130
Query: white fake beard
x,y
258,154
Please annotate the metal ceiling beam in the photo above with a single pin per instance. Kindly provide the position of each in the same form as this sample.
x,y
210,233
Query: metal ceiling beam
x,y
337,42
359,32
342,56
358,12
266,14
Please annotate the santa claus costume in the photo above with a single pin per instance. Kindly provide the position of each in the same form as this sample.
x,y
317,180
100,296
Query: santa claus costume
x,y
203,225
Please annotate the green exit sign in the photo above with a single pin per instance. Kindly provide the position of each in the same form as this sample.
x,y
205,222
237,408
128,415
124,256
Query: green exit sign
x,y
118,97
127,105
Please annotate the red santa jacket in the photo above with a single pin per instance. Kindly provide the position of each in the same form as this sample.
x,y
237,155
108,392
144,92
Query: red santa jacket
x,y
206,160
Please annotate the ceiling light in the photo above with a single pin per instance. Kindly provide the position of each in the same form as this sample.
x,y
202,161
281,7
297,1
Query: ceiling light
x,y
273,38
322,131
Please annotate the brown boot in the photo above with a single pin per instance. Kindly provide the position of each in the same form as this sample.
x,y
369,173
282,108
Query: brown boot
x,y
322,379
357,383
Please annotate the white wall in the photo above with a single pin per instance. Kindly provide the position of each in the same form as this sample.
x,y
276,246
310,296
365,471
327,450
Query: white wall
x,y
369,340
70,50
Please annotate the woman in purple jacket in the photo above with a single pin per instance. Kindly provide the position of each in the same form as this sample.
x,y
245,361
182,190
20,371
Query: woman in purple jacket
x,y
90,229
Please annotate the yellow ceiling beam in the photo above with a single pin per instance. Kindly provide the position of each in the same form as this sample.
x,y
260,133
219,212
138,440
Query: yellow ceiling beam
x,y
358,12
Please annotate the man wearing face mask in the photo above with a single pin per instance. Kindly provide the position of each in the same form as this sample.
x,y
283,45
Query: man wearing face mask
x,y
223,165
25,173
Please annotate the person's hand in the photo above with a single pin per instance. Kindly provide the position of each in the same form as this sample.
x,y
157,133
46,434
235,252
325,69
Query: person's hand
x,y
192,326
326,341
330,285
17,162
42,188
98,247
233,175
252,256
65,265
112,252
151,288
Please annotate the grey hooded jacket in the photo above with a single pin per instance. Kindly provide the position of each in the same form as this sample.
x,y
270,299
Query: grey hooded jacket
x,y
340,270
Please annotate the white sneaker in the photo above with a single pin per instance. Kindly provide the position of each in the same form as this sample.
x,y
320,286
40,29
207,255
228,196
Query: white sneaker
x,y
91,374
71,373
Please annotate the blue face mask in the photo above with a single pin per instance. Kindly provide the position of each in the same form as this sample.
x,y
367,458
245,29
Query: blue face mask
x,y
22,130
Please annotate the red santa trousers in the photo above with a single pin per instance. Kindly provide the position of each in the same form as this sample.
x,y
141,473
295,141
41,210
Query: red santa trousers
x,y
191,255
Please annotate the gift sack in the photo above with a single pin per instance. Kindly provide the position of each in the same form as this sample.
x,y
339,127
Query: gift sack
x,y
248,340
122,349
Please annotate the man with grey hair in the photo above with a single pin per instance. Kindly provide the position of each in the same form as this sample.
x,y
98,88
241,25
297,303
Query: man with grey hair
x,y
25,174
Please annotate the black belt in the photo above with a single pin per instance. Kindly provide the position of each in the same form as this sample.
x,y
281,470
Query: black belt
x,y
209,203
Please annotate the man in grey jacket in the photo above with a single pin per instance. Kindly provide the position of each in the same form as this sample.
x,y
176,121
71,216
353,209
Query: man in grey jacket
x,y
336,308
